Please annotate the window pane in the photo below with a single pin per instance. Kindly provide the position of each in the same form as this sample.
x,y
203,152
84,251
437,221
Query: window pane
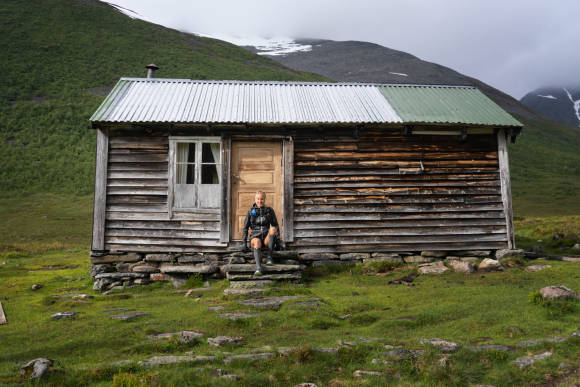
x,y
210,153
209,174
185,160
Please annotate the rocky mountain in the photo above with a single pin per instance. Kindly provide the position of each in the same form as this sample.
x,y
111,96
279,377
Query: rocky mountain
x,y
558,103
355,61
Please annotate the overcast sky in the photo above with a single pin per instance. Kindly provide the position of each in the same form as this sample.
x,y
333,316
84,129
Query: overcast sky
x,y
513,45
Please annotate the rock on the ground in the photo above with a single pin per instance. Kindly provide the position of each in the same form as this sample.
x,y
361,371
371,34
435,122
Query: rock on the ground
x,y
238,315
403,353
36,368
489,264
218,341
558,293
418,259
534,268
385,257
249,356
353,256
36,286
244,291
473,253
64,315
165,360
535,342
330,350
267,302
129,316
306,385
440,344
509,253
363,373
571,259
317,256
433,268
526,361
184,337
381,362
462,266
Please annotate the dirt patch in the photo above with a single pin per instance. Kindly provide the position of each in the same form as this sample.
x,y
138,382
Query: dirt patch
x,y
103,91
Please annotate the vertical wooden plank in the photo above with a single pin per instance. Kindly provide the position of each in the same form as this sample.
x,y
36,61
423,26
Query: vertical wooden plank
x,y
288,195
225,194
171,179
506,191
100,198
2,316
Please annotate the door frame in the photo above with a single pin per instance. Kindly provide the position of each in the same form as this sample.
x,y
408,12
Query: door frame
x,y
287,217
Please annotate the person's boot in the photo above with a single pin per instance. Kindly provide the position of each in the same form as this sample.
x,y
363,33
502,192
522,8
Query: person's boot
x,y
269,260
258,258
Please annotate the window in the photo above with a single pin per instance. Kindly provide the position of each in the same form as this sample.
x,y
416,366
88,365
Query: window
x,y
196,172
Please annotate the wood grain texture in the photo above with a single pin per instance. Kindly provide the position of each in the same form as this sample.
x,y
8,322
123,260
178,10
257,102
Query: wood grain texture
x,y
225,192
100,199
288,195
506,191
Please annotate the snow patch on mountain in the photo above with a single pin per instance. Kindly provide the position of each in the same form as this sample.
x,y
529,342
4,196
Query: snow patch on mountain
x,y
576,103
275,46
401,74
125,11
549,96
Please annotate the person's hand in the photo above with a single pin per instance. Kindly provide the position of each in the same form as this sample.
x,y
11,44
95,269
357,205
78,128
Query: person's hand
x,y
245,248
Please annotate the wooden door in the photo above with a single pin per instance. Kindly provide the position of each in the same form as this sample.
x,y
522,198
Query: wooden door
x,y
255,166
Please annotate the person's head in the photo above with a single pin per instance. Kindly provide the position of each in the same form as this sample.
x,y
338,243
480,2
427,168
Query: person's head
x,y
260,198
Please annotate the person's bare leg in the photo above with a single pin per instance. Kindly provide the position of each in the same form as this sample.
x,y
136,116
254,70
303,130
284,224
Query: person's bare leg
x,y
269,241
256,244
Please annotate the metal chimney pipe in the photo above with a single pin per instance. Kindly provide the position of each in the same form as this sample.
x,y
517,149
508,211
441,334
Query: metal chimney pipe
x,y
151,70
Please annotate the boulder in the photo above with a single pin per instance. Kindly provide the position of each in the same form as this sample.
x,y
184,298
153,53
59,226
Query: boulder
x,y
509,253
433,268
462,266
440,344
489,264
418,259
100,268
36,369
224,340
527,361
434,254
184,337
64,315
558,293
535,268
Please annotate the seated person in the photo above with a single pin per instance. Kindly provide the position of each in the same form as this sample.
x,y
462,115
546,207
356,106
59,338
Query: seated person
x,y
262,221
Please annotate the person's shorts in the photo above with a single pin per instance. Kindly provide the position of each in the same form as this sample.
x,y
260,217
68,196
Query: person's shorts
x,y
261,237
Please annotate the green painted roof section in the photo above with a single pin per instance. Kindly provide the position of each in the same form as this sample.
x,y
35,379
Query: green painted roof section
x,y
446,105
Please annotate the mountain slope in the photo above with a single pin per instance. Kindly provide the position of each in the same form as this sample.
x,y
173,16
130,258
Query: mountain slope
x,y
558,103
60,57
545,161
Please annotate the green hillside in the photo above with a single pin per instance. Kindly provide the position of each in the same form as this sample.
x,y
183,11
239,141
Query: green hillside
x,y
60,57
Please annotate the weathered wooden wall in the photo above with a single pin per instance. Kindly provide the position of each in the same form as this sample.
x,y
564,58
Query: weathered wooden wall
x,y
137,217
371,194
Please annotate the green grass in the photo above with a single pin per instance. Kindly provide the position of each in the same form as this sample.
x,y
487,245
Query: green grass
x,y
468,309
59,59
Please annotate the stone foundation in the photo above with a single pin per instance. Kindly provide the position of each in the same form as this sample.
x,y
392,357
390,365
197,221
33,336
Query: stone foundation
x,y
119,269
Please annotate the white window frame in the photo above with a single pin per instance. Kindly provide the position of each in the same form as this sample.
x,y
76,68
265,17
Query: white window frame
x,y
173,141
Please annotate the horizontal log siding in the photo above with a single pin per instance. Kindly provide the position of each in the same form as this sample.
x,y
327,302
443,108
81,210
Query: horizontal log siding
x,y
137,217
387,192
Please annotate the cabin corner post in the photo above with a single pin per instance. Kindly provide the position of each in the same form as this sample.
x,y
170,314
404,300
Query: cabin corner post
x,y
100,198
225,193
506,191
288,196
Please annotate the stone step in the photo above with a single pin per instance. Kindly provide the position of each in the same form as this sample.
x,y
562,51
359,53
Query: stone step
x,y
188,269
265,276
249,268
250,284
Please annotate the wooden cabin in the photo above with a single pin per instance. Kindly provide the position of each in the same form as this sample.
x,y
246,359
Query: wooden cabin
x,y
348,167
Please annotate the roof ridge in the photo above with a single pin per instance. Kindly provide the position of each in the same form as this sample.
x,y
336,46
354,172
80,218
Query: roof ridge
x,y
263,82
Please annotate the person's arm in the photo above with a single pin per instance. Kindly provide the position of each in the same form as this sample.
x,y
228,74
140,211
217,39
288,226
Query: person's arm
x,y
245,232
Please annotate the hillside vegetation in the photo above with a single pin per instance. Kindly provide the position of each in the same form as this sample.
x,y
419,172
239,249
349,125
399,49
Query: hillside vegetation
x,y
61,57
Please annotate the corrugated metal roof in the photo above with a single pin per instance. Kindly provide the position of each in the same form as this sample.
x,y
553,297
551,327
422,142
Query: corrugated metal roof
x,y
182,100
446,105
190,101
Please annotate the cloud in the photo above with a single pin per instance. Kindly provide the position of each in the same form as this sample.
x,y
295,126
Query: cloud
x,y
515,45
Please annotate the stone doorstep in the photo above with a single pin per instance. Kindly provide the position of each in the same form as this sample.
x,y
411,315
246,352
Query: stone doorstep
x,y
250,284
250,268
188,269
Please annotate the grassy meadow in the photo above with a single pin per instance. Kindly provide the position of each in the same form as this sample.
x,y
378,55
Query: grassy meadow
x,y
44,239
